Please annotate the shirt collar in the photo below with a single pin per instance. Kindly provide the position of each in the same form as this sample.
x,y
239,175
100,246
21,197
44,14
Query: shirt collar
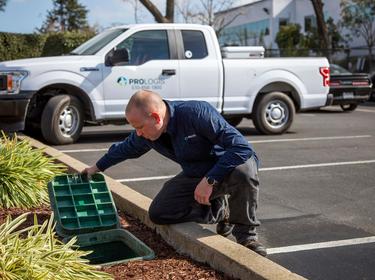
x,y
171,127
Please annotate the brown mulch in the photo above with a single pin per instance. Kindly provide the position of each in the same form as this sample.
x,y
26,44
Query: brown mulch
x,y
168,264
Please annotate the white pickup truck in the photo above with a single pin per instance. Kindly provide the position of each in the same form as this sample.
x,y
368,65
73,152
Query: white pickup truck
x,y
180,61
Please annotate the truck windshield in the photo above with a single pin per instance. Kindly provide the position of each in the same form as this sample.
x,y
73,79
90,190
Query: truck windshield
x,y
96,43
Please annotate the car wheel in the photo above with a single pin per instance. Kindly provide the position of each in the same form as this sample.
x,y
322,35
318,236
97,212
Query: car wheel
x,y
349,107
234,121
273,113
62,120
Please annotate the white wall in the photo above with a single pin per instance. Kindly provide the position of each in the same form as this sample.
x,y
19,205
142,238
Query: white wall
x,y
294,10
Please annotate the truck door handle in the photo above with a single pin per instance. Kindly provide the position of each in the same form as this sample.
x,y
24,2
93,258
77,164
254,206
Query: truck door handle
x,y
168,72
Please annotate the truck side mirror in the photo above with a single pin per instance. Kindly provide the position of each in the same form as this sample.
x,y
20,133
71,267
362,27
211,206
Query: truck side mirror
x,y
117,57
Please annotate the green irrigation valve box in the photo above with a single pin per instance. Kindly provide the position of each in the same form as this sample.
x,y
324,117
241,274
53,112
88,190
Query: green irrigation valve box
x,y
84,208
81,205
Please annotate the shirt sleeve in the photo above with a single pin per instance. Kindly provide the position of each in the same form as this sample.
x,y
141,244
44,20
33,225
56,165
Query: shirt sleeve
x,y
237,150
132,147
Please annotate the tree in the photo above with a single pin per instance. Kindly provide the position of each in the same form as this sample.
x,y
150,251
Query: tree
x,y
358,16
205,12
290,40
336,41
322,27
158,16
66,15
202,12
3,3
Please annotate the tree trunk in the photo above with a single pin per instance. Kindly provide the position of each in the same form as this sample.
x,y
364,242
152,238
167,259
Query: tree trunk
x,y
322,27
169,13
155,11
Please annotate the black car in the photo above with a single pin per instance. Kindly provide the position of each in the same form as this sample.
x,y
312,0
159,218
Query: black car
x,y
372,97
349,89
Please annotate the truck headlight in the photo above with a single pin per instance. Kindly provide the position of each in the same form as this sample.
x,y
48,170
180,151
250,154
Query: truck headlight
x,y
10,81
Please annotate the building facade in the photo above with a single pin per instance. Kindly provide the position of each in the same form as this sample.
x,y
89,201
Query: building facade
x,y
258,21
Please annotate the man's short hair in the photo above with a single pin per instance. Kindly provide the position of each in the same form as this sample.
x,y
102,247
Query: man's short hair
x,y
144,100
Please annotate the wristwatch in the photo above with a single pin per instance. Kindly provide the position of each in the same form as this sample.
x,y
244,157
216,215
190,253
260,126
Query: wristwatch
x,y
211,181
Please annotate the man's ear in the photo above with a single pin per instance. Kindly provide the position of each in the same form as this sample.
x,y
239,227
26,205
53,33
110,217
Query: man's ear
x,y
156,117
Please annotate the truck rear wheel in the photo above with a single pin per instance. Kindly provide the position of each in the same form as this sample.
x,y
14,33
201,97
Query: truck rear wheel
x,y
349,107
274,113
62,120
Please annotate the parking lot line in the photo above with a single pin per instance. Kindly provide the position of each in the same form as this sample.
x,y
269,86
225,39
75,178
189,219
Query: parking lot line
x,y
310,139
260,169
84,150
321,245
317,165
145,178
252,142
366,110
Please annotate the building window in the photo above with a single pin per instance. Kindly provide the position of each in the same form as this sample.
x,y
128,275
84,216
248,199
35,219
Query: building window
x,y
283,21
245,33
310,23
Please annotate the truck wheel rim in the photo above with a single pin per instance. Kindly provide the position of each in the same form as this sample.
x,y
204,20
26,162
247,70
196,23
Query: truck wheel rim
x,y
277,113
69,121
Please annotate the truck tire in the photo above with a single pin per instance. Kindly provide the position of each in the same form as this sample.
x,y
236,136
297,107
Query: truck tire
x,y
273,113
349,107
234,121
62,120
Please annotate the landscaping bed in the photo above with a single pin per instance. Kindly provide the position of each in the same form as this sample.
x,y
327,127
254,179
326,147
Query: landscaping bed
x,y
168,264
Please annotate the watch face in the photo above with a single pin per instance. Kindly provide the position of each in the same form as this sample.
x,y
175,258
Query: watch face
x,y
211,181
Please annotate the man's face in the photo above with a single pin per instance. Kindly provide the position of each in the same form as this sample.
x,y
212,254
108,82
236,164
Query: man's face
x,y
147,126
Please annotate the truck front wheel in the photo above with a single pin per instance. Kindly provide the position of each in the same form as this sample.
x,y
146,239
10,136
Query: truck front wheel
x,y
234,120
62,120
274,113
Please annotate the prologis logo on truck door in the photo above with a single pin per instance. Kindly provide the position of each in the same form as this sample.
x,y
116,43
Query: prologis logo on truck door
x,y
141,83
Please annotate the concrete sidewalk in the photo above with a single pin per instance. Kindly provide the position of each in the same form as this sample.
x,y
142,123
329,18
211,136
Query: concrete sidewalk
x,y
188,238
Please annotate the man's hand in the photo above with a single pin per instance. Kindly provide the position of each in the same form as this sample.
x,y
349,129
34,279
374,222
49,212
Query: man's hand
x,y
203,192
88,171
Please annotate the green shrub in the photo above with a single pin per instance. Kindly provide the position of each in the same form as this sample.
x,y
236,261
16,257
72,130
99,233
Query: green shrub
x,y
24,174
63,43
16,46
40,255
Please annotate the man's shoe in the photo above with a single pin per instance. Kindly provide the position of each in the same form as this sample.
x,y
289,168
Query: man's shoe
x,y
224,228
255,246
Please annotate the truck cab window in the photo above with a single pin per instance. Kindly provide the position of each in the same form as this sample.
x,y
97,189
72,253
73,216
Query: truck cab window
x,y
146,45
194,44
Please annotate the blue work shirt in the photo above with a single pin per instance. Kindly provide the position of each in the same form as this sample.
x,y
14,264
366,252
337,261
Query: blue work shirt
x,y
197,137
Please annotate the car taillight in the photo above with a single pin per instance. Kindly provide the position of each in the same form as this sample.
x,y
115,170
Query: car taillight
x,y
333,84
360,83
324,71
9,82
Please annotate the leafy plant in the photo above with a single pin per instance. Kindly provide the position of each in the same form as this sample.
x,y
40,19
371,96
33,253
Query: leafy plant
x,y
40,255
24,173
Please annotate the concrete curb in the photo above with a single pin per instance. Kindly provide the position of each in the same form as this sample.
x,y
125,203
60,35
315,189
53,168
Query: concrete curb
x,y
188,238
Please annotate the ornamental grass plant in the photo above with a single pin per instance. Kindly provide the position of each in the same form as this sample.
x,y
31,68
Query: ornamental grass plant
x,y
34,253
24,173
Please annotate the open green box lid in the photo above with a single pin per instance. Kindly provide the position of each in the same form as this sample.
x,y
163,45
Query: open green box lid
x,y
85,209
81,205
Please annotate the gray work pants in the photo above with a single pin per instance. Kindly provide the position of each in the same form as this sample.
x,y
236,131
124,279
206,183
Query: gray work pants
x,y
175,202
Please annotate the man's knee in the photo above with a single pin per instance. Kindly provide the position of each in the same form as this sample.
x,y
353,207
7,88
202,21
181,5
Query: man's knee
x,y
247,172
155,214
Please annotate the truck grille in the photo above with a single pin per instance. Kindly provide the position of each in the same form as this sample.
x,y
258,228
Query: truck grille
x,y
3,82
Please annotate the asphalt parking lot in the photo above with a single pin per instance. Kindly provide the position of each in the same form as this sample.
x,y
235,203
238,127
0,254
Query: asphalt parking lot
x,y
317,188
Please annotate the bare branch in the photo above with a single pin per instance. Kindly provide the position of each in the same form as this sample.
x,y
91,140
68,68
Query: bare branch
x,y
154,11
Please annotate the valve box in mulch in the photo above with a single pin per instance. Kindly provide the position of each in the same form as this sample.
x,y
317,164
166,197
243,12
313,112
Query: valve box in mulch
x,y
85,208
